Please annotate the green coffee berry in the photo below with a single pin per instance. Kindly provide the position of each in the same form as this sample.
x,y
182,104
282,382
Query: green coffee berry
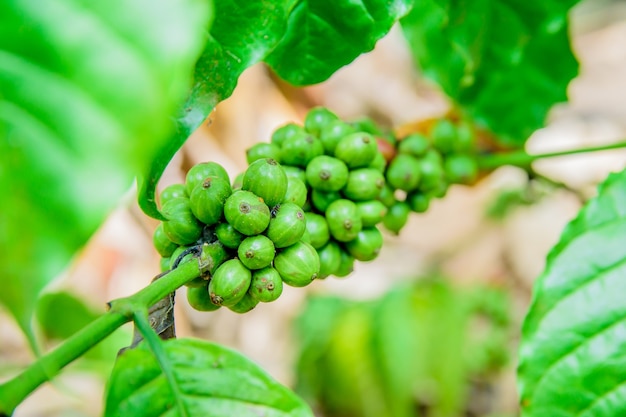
x,y
346,266
387,196
287,225
181,226
198,173
294,172
228,235
418,201
238,181
444,135
357,149
285,132
247,212
460,169
163,245
173,191
432,172
404,172
364,184
317,227
439,191
263,150
296,192
466,139
379,163
256,252
322,199
344,221
371,212
266,178
326,173
199,298
397,216
332,133
366,245
330,259
266,285
298,264
247,303
229,283
317,118
300,149
207,199
306,238
164,264
415,144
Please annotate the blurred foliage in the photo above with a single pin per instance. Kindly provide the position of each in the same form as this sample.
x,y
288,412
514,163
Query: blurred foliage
x,y
506,200
86,95
76,314
476,51
420,349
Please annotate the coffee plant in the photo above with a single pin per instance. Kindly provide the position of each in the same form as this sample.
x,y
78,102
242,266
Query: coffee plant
x,y
93,96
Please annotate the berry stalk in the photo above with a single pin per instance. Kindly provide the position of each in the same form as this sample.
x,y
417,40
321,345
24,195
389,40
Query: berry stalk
x,y
15,390
524,160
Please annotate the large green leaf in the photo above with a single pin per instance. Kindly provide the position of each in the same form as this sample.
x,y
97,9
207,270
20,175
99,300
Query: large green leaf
x,y
412,346
243,33
304,41
324,35
573,351
212,381
505,62
86,93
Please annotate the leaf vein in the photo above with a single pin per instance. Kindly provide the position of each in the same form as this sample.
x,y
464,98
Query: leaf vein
x,y
575,348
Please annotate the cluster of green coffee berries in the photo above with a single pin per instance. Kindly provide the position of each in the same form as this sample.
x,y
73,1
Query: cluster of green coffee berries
x,y
424,166
254,234
308,205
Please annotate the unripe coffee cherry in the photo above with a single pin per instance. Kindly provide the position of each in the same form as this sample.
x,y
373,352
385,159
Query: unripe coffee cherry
x,y
267,179
266,285
344,220
199,172
326,173
256,252
287,225
181,226
207,199
229,283
247,212
357,149
298,264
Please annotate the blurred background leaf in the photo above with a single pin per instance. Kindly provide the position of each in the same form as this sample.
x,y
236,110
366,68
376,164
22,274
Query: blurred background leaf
x,y
490,58
419,349
61,314
86,95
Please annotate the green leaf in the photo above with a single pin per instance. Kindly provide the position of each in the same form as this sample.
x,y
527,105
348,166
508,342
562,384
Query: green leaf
x,y
213,381
324,35
573,350
490,56
243,33
86,92
304,41
74,312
